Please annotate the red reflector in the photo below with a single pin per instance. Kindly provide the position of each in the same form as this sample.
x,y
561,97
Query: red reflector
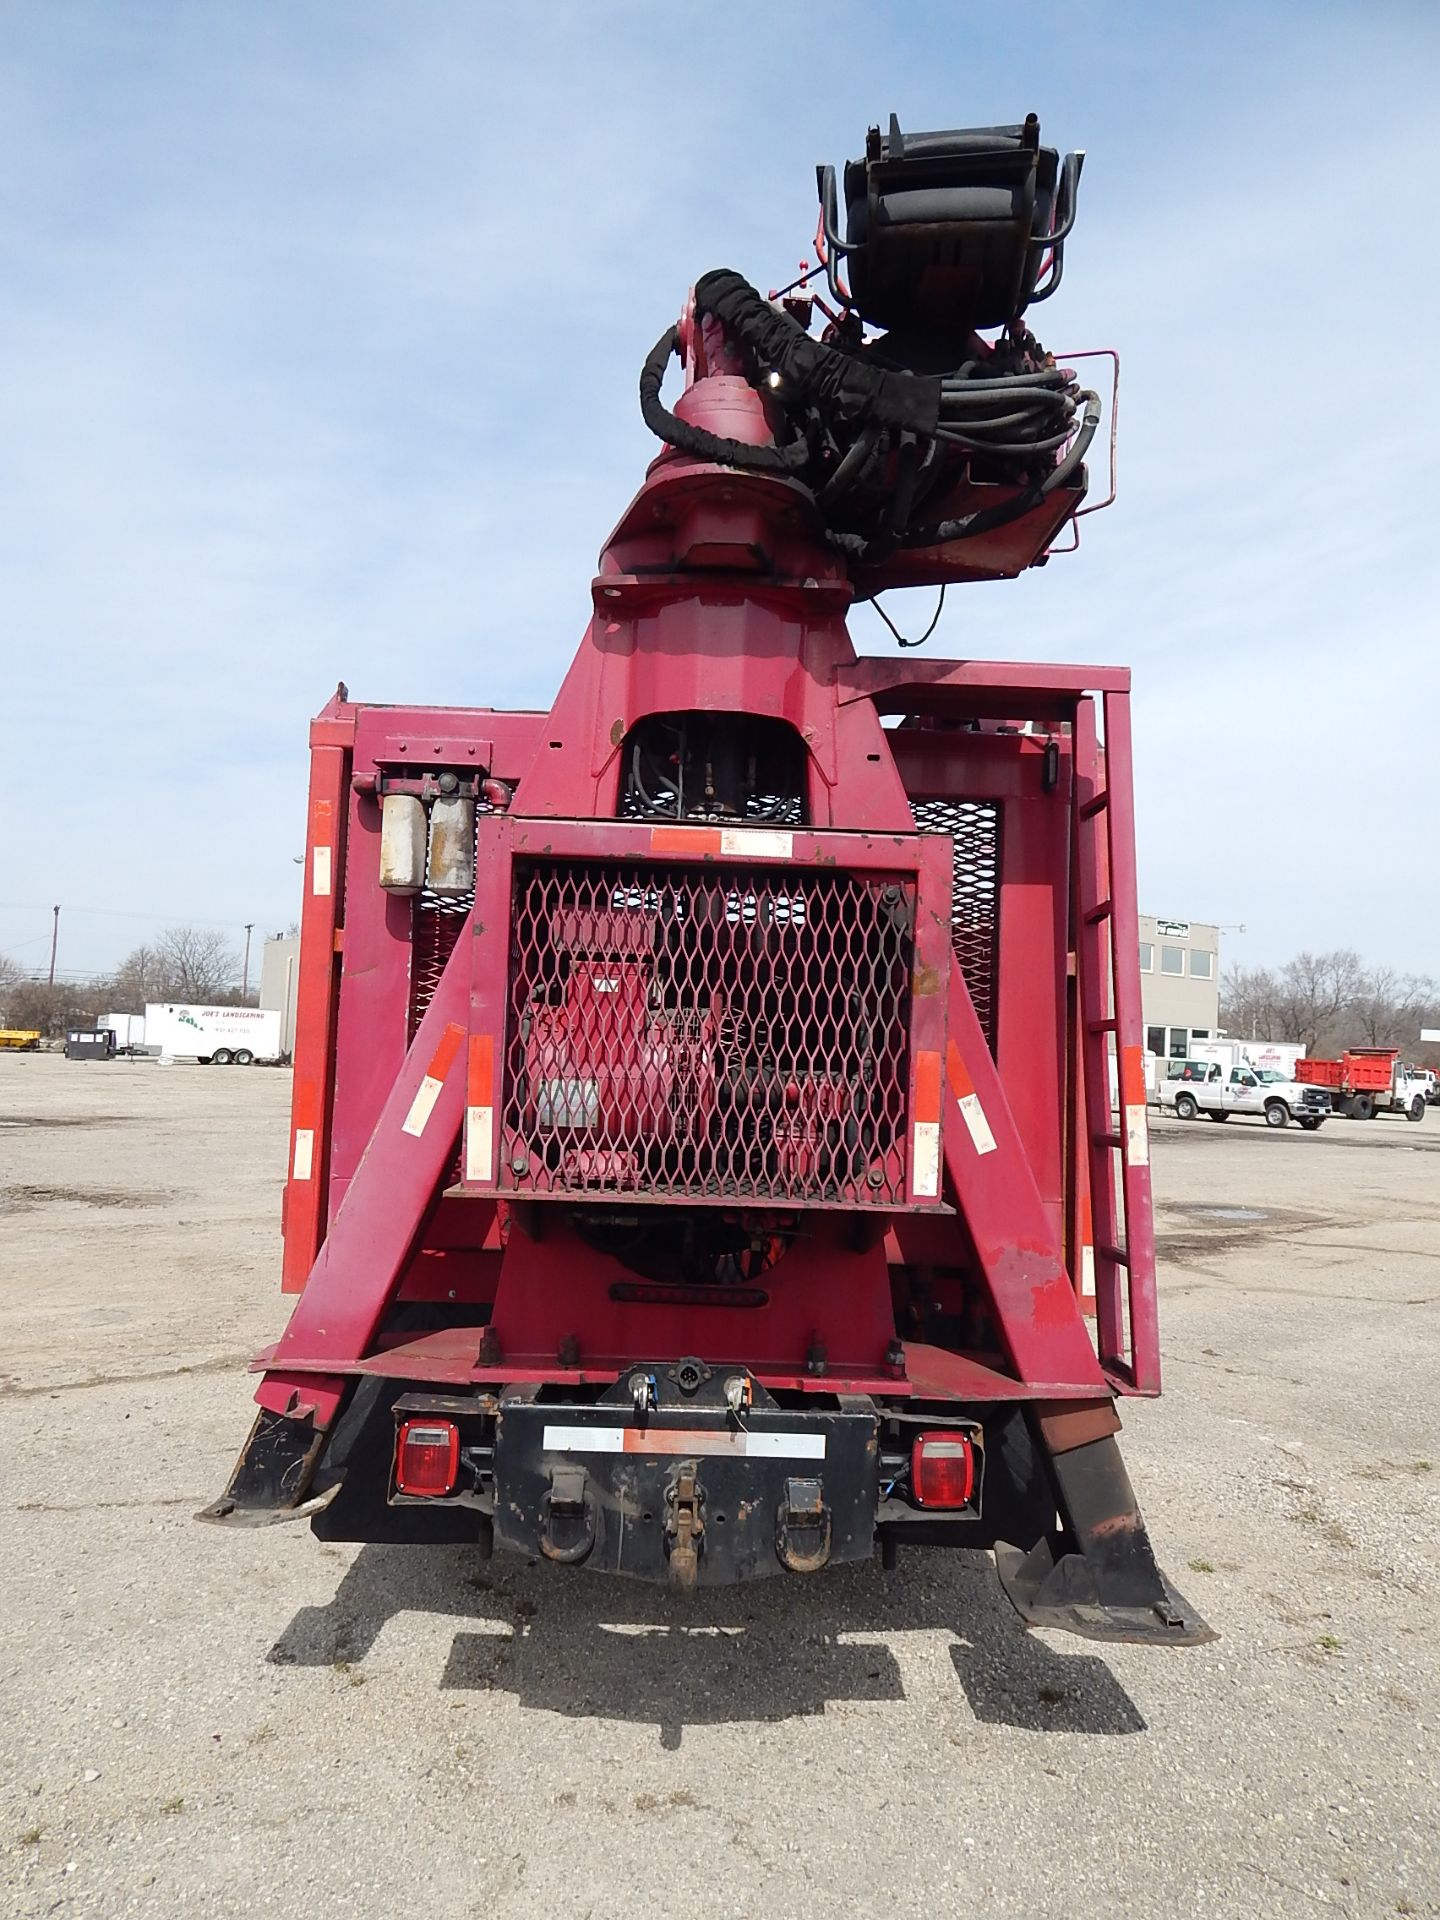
x,y
427,1454
942,1470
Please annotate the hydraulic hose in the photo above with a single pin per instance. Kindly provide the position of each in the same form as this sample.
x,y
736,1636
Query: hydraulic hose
x,y
856,404
699,441
989,518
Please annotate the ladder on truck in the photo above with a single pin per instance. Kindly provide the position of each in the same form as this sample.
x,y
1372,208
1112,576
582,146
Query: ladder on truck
x,y
1109,1108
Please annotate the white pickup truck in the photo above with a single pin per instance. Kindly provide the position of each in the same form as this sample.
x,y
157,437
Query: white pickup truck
x,y
1205,1086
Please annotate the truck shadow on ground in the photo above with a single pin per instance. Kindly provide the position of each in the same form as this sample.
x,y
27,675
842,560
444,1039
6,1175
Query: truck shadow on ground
x,y
563,1642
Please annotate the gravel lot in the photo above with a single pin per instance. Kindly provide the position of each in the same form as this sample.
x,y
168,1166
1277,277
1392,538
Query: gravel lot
x,y
206,1722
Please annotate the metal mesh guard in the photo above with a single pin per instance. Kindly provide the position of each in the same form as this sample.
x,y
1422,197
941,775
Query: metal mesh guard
x,y
690,1032
975,886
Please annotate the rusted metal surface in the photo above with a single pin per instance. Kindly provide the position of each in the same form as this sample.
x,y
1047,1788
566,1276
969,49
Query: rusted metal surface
x,y
1063,1428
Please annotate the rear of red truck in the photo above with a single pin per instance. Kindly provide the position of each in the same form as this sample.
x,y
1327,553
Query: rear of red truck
x,y
703,1163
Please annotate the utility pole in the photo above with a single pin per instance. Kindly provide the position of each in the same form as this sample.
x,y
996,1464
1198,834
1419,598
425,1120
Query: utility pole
x,y
54,943
245,978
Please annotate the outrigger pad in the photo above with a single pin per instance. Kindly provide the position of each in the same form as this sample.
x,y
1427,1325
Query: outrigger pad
x,y
1068,1594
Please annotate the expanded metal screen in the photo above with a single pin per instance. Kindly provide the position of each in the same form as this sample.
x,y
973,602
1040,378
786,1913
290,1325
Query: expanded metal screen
x,y
439,919
438,924
975,894
691,1032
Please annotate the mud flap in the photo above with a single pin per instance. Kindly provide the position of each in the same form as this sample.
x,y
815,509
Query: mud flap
x,y
1104,1583
1067,1593
272,1477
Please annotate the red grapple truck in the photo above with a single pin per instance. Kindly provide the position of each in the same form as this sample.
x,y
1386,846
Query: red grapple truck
x,y
702,1131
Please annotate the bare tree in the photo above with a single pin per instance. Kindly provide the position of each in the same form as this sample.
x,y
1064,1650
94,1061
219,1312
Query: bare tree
x,y
1390,1008
1330,1001
141,977
184,963
12,979
1248,997
29,1002
200,962
1316,991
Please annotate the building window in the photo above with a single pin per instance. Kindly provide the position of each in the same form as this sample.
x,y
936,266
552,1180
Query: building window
x,y
1200,1033
1147,957
1179,1042
1155,1039
1202,964
1172,959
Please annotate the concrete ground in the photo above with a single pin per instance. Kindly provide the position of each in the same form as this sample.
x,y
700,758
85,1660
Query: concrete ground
x,y
204,1722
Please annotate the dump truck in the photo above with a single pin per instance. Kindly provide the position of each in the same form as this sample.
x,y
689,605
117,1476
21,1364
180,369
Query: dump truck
x,y
1366,1081
702,1132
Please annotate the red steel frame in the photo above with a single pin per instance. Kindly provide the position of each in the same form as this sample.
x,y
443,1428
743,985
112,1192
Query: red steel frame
x,y
393,1192
1016,1199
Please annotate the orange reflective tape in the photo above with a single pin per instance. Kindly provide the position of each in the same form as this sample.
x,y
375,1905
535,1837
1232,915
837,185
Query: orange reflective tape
x,y
305,1104
480,1078
961,1085
927,1088
1132,1077
445,1054
685,840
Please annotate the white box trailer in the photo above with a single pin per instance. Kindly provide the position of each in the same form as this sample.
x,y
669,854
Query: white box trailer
x,y
128,1029
1266,1056
225,1036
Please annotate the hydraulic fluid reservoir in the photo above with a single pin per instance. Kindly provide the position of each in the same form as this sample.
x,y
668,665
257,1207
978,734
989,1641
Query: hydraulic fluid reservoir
x,y
452,845
402,843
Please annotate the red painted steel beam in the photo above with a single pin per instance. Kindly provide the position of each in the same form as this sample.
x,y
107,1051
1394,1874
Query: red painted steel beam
x,y
1018,1250
1011,690
312,1084
359,1267
504,743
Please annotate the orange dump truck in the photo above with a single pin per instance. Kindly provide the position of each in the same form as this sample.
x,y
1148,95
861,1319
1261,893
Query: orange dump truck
x,y
1365,1081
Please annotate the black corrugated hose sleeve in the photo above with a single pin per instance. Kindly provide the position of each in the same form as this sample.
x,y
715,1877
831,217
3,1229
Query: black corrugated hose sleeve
x,y
844,391
698,441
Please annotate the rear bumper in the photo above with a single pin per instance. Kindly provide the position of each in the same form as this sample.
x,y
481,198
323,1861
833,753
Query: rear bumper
x,y
709,1481
693,1496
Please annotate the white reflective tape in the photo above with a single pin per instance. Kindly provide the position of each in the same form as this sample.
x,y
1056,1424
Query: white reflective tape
x,y
974,1116
784,1446
422,1106
701,1441
304,1152
925,1159
479,1143
320,880
1087,1272
1137,1136
757,843
583,1439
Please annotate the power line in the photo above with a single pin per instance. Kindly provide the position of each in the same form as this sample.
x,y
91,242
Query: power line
x,y
121,913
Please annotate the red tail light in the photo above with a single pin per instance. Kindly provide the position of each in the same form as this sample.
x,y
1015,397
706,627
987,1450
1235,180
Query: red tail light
x,y
942,1470
427,1456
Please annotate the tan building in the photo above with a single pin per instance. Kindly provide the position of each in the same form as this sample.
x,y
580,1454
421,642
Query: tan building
x,y
279,968
1179,984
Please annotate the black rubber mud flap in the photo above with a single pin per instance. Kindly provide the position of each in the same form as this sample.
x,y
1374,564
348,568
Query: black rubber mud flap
x,y
1104,1583
273,1475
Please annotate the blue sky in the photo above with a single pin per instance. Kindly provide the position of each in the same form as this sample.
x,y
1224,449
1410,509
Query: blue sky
x,y
319,333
